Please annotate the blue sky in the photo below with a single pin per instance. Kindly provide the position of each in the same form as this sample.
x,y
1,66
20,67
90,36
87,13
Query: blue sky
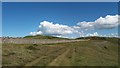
x,y
21,18
0,19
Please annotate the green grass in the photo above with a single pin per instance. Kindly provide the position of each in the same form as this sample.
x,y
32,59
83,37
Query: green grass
x,y
43,37
84,53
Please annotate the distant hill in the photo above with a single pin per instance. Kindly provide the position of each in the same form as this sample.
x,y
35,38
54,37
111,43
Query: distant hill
x,y
111,39
93,38
43,37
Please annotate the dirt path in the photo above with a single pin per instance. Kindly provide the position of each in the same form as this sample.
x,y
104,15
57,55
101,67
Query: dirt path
x,y
52,63
57,61
34,62
38,60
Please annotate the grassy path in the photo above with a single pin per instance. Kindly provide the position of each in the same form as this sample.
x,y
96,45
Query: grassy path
x,y
54,62
38,61
34,61
59,59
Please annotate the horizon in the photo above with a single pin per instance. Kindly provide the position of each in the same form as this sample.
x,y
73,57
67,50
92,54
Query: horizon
x,y
67,19
60,37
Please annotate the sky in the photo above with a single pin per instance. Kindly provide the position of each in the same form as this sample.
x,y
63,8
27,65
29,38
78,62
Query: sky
x,y
61,19
60,0
0,19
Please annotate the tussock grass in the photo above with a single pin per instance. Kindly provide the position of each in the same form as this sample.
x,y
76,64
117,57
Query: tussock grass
x,y
95,52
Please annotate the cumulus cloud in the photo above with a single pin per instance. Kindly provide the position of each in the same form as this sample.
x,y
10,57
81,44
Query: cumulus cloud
x,y
55,29
86,25
101,35
108,22
36,33
94,34
60,30
111,35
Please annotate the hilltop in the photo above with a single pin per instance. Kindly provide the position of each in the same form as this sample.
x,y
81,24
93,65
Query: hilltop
x,y
110,39
43,37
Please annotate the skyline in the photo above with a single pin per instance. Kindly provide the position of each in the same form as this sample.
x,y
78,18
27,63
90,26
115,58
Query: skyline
x,y
60,1
25,17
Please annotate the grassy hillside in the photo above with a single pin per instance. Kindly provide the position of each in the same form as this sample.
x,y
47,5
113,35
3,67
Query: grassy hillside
x,y
94,52
110,39
43,37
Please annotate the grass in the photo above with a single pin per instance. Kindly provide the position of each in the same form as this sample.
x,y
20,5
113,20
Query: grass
x,y
83,53
43,37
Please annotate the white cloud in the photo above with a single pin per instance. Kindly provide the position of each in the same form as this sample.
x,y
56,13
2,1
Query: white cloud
x,y
101,35
48,28
108,22
86,25
112,35
59,30
36,33
55,29
94,34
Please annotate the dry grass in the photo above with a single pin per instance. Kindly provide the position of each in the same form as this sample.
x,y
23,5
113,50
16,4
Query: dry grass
x,y
81,53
